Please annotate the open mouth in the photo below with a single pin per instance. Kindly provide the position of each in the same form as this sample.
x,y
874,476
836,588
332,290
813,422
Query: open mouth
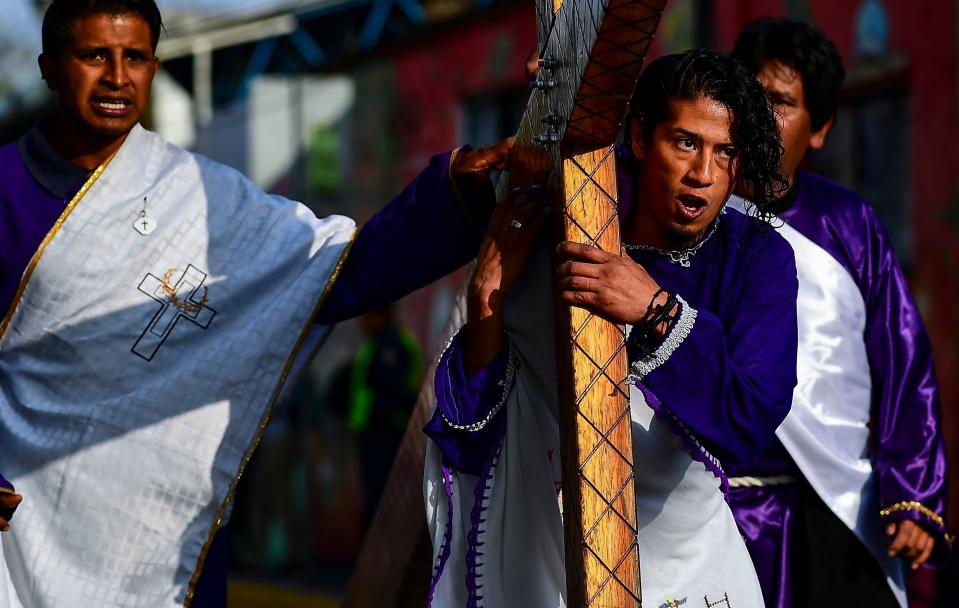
x,y
112,106
691,206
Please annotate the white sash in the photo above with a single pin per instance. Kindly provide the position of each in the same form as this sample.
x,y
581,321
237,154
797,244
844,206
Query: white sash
x,y
689,545
137,371
826,431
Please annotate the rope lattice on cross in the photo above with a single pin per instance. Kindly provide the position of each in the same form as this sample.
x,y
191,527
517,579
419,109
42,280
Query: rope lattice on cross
x,y
592,52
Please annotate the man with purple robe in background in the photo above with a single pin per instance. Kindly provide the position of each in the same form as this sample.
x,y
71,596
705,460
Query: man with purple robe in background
x,y
710,295
98,57
860,454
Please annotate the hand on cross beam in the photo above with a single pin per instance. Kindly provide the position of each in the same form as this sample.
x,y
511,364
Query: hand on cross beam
x,y
611,286
475,164
506,246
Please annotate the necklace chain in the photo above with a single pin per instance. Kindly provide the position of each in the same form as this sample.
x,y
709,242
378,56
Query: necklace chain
x,y
679,257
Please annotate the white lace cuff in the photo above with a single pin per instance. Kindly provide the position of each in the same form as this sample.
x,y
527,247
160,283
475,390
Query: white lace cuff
x,y
681,330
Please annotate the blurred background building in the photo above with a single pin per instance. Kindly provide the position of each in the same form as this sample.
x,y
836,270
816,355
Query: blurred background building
x,y
339,103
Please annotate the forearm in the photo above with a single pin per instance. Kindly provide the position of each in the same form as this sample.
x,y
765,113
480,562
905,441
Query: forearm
x,y
484,329
429,230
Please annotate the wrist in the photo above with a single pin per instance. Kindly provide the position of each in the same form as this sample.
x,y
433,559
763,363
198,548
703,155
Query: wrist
x,y
654,325
484,302
658,331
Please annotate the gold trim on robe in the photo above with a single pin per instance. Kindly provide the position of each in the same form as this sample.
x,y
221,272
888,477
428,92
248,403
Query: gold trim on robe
x,y
266,419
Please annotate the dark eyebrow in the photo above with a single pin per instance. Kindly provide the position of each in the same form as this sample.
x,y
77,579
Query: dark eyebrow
x,y
694,136
90,49
699,138
783,96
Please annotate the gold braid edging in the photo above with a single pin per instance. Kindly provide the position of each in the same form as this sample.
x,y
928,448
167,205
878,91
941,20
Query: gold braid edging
x,y
912,505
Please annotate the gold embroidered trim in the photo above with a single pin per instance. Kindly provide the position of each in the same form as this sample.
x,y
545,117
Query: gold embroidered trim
x,y
912,505
457,195
191,590
6,490
28,273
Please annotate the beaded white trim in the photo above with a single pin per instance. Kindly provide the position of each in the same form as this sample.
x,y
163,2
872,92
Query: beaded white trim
x,y
506,383
679,333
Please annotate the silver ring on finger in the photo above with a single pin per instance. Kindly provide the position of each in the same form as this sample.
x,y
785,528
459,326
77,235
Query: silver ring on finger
x,y
516,224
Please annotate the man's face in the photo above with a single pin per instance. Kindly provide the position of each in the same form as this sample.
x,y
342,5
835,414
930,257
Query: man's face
x,y
785,88
104,74
688,170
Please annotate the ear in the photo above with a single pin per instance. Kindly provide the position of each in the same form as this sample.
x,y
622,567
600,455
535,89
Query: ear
x,y
818,138
637,140
48,71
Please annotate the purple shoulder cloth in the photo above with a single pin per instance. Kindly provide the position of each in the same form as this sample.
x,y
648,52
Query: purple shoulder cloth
x,y
6,488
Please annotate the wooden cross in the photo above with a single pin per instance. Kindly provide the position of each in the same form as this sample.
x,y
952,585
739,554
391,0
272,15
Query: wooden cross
x,y
592,52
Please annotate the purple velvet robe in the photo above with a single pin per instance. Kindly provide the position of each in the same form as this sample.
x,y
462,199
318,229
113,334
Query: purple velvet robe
x,y
908,455
421,235
729,383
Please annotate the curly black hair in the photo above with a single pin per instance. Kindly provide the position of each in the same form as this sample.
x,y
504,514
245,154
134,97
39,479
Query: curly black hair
x,y
60,15
702,73
803,48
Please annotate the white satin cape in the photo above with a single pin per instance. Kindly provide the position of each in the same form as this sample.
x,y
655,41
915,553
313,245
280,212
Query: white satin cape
x,y
136,372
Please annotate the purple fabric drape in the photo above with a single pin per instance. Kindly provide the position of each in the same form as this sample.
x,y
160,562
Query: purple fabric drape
x,y
909,451
423,234
465,401
767,518
27,213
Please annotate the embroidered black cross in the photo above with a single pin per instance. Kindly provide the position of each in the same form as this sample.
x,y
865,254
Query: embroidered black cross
x,y
186,299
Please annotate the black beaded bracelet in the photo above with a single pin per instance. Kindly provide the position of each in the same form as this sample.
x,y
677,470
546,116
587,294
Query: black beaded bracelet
x,y
640,343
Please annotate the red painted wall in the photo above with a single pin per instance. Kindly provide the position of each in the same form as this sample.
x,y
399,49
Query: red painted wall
x,y
478,56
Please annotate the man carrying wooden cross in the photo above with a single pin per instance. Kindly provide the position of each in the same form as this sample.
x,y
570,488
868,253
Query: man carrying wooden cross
x,y
710,296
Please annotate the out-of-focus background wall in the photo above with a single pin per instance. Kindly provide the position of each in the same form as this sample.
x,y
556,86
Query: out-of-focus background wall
x,y
339,103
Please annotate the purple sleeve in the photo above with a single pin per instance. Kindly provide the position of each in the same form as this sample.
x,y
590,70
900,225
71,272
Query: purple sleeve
x,y
4,484
429,230
468,421
910,456
730,380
